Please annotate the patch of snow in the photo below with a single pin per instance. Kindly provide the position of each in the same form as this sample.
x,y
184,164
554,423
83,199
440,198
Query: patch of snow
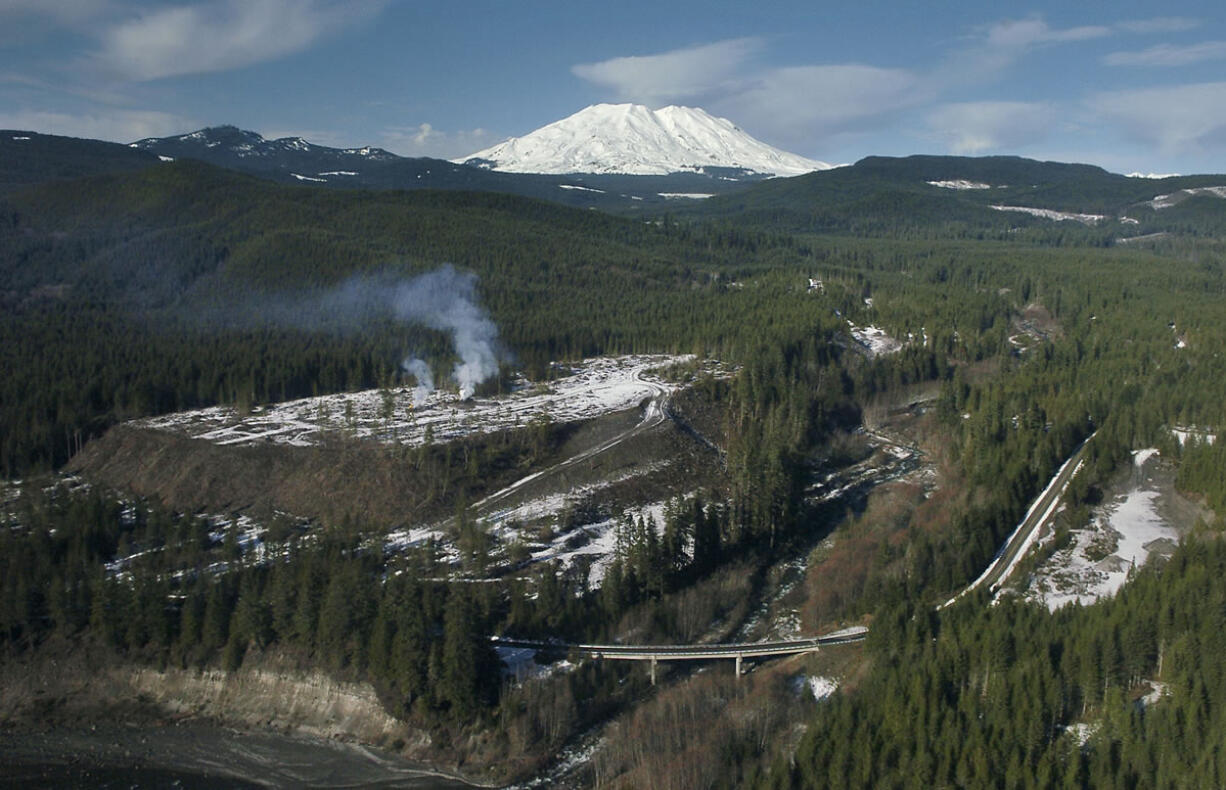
x,y
1153,175
960,184
594,387
1166,201
1157,690
166,158
405,538
309,178
686,195
632,139
1139,457
21,138
1058,216
1082,732
874,340
1185,434
583,189
822,687
1146,237
1130,527
339,173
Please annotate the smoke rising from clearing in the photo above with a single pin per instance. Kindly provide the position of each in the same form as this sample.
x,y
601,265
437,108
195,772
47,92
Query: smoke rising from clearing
x,y
444,299
419,370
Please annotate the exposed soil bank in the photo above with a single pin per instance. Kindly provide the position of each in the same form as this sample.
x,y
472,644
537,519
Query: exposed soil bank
x,y
82,718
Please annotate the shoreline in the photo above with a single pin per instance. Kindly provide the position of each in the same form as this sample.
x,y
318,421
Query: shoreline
x,y
208,751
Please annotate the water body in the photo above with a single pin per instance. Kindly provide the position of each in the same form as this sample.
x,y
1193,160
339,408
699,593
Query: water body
x,y
199,756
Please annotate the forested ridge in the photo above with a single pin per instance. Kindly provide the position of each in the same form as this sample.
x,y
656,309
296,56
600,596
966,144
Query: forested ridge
x,y
132,294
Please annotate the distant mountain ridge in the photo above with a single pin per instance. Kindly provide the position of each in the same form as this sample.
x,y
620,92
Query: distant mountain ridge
x,y
222,144
297,161
945,194
631,139
881,194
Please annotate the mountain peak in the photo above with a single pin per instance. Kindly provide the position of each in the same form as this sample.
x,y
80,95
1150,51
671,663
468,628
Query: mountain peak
x,y
218,142
632,139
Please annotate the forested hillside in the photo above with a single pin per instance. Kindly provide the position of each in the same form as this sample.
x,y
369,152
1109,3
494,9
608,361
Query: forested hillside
x,y
177,285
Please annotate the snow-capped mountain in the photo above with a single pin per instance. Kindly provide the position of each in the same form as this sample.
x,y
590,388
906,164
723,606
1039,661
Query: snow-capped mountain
x,y
631,139
225,144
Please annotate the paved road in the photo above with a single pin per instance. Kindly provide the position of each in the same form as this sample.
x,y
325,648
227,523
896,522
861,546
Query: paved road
x,y
655,413
1041,510
693,652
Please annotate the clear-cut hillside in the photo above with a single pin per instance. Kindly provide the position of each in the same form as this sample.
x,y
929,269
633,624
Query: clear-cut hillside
x,y
631,139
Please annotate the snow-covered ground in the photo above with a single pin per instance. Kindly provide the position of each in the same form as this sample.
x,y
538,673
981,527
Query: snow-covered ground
x,y
1121,536
1190,433
1059,216
875,341
1166,201
960,183
821,687
594,387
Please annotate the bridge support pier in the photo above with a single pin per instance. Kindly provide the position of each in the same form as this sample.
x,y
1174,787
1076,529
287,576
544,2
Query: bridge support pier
x,y
738,666
653,670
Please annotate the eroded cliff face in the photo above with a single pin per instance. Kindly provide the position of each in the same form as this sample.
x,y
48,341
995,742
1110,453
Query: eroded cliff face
x,y
65,686
306,702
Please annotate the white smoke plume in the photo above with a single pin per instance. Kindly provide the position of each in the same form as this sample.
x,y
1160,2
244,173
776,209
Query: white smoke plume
x,y
420,370
445,299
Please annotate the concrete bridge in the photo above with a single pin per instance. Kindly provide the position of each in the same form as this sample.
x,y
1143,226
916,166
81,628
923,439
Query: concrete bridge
x,y
656,653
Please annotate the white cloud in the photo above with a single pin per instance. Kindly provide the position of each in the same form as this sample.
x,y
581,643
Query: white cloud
x,y
1162,24
425,140
789,104
971,128
1019,34
1178,119
679,75
121,126
806,100
219,35
1169,55
998,46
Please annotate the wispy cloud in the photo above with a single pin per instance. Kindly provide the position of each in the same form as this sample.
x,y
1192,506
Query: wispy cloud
x,y
678,75
1178,119
1169,55
1018,34
116,125
975,127
1161,24
992,49
219,36
819,100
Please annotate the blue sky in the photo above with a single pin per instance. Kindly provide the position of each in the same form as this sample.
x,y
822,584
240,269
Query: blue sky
x,y
1122,85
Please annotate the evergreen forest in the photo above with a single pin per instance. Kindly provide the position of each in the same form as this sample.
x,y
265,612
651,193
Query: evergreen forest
x,y
133,288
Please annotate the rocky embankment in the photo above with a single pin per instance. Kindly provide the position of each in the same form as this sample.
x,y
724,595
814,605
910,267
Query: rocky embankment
x,y
59,696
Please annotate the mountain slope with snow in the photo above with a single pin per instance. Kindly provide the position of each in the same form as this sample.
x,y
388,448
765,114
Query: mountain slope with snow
x,y
631,139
